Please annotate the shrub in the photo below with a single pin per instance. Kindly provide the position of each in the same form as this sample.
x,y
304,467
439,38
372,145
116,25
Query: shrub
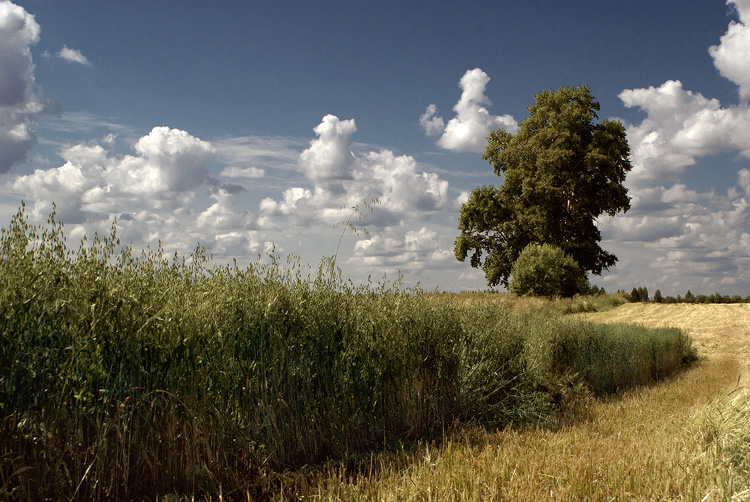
x,y
545,270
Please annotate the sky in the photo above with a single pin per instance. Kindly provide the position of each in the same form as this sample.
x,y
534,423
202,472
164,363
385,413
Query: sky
x,y
251,127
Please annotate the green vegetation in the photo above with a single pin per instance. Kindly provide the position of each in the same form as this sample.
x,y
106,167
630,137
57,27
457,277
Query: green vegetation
x,y
561,171
127,376
640,294
545,270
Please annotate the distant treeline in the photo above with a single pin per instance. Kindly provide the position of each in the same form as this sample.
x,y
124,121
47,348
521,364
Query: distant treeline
x,y
641,295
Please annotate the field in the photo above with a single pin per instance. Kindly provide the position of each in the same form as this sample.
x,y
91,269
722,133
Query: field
x,y
687,438
140,377
718,330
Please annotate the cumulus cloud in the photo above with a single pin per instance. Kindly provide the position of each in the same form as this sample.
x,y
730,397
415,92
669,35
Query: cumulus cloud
x,y
66,186
18,104
339,179
697,240
732,55
73,56
224,217
290,204
163,192
399,249
170,164
401,187
432,124
468,130
152,193
680,126
328,161
173,160
398,236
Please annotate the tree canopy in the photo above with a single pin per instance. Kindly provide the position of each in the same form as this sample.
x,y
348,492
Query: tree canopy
x,y
562,170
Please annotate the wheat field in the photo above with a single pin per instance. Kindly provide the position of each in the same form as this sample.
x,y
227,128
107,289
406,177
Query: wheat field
x,y
718,330
687,438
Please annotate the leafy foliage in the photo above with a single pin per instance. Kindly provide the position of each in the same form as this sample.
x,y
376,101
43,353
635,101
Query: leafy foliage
x,y
545,270
561,171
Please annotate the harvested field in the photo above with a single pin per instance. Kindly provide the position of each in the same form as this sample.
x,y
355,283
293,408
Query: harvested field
x,y
683,439
718,330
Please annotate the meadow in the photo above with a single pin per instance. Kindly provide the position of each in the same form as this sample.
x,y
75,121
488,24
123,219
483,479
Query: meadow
x,y
127,376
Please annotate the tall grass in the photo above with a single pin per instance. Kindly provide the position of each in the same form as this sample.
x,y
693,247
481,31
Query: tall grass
x,y
577,304
125,376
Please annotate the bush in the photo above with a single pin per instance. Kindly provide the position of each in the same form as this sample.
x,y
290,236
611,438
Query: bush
x,y
545,270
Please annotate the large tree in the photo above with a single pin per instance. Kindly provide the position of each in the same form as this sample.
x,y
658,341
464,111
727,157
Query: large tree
x,y
561,170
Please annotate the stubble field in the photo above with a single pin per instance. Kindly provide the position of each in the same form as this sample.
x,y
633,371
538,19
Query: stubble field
x,y
687,438
718,330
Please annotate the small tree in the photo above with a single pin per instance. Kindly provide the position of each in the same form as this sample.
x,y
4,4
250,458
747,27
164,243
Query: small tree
x,y
546,270
642,294
658,298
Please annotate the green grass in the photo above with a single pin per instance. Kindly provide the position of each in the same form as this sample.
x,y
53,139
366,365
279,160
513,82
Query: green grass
x,y
125,376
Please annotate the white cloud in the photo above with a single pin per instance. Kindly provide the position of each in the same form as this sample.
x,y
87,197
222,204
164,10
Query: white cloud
x,y
242,172
92,154
468,130
679,127
646,228
18,31
400,249
687,237
66,186
243,155
289,205
173,160
163,191
400,187
732,55
18,104
152,193
73,56
328,161
432,125
341,179
224,217
398,233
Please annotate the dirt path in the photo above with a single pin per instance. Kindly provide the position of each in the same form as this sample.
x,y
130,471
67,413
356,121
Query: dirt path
x,y
717,329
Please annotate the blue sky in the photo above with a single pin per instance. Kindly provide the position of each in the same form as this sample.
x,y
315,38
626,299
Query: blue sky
x,y
244,125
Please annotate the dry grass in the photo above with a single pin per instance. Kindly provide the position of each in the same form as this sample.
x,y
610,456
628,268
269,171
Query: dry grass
x,y
671,441
716,329
647,445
